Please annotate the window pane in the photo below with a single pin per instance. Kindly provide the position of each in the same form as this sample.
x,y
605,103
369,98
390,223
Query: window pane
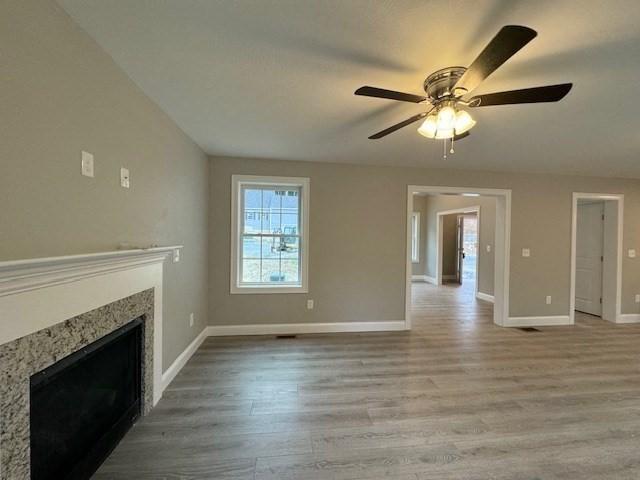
x,y
270,211
274,225
270,248
290,247
251,271
252,210
271,271
290,197
289,223
251,247
290,270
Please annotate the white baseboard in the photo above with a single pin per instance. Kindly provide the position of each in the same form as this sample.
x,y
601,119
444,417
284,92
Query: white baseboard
x,y
183,358
423,278
485,296
628,318
300,328
538,321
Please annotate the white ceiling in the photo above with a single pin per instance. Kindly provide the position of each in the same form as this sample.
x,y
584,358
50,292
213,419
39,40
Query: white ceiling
x,y
275,78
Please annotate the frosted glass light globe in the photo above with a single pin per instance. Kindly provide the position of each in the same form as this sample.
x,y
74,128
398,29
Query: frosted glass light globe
x,y
464,122
446,118
429,127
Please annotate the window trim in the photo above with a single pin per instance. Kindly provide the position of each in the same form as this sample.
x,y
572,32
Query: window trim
x,y
237,181
416,246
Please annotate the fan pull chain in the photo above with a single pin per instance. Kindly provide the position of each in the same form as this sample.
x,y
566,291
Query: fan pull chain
x,y
452,150
444,150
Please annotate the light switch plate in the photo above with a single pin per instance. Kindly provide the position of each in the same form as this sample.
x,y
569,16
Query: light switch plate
x,y
548,300
124,177
191,320
526,252
637,297
632,253
87,164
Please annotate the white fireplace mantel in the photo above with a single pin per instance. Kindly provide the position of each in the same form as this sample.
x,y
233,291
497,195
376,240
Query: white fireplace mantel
x,y
38,293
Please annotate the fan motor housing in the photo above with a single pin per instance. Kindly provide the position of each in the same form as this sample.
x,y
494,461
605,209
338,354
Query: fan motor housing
x,y
440,84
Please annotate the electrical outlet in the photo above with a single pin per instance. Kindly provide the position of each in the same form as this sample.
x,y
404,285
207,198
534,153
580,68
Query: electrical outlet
x,y
548,300
526,252
488,248
176,255
124,177
191,320
637,297
309,304
87,164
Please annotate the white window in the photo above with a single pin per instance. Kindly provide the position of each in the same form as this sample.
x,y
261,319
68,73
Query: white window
x,y
269,234
415,237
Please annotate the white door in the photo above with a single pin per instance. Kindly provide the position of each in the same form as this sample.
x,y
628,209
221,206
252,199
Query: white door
x,y
589,251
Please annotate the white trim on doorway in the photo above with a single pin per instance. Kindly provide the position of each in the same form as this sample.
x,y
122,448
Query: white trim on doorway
x,y
439,241
611,306
501,249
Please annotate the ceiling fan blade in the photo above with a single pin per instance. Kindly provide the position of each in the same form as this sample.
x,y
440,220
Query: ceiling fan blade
x,y
550,93
457,138
397,126
390,94
503,46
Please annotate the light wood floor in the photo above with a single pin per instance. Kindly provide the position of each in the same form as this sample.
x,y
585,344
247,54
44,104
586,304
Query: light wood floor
x,y
456,398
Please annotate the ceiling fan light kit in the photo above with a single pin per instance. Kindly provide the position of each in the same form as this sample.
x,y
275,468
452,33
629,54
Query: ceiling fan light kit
x,y
446,123
446,90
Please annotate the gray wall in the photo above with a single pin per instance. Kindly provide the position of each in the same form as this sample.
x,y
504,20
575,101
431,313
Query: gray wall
x,y
420,205
487,228
358,240
59,94
449,244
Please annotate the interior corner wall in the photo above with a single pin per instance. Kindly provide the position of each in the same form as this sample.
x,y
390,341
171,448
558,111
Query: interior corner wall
x,y
358,240
60,93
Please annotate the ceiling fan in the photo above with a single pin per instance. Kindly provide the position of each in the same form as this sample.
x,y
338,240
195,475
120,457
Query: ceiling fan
x,y
447,88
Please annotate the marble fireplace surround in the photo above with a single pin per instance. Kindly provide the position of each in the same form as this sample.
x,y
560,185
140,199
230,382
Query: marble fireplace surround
x,y
52,307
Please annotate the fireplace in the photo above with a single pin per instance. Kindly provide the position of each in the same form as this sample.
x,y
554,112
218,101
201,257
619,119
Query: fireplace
x,y
81,406
53,308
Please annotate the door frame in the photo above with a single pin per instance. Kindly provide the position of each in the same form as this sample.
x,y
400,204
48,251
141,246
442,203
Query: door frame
x,y
611,302
440,239
502,245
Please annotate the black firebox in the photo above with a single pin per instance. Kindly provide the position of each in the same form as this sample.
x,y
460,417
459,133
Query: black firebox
x,y
82,406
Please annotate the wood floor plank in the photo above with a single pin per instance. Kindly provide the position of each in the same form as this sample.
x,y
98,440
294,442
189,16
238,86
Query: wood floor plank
x,y
455,398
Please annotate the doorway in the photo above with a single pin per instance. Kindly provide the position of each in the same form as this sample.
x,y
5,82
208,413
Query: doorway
x,y
596,256
467,240
457,246
589,256
498,250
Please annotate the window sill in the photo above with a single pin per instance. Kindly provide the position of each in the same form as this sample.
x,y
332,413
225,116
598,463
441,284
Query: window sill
x,y
269,290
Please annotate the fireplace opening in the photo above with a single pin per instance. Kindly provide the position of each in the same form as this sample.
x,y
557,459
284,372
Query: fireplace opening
x,y
81,406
